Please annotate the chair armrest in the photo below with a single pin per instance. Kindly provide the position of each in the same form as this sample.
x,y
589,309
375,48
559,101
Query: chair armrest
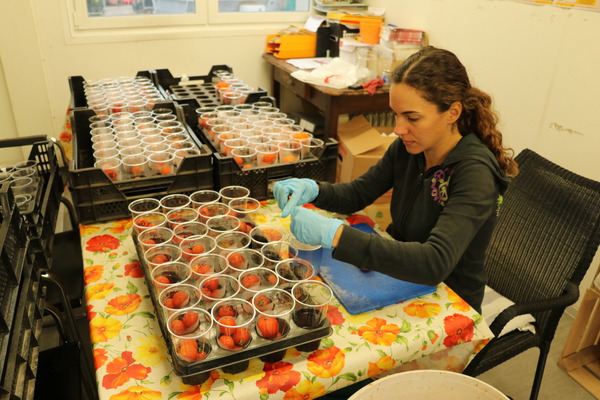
x,y
569,297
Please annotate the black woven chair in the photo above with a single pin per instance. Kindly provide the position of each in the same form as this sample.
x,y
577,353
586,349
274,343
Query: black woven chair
x,y
547,234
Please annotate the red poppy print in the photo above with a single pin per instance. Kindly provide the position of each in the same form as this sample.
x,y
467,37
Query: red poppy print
x,y
90,312
121,369
134,270
335,316
278,376
65,136
360,219
459,329
102,243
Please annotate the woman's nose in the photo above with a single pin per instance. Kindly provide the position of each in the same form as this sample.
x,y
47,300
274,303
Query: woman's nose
x,y
400,128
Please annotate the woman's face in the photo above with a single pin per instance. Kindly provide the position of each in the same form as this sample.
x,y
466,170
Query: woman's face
x,y
419,124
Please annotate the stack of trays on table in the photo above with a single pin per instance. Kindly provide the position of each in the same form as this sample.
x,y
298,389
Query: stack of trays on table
x,y
132,153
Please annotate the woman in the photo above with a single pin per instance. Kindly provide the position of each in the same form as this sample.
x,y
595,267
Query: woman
x,y
448,170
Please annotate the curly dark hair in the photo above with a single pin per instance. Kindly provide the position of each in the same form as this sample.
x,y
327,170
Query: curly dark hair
x,y
442,80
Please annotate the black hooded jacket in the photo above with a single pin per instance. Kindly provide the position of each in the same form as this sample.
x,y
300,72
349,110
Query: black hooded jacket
x,y
442,219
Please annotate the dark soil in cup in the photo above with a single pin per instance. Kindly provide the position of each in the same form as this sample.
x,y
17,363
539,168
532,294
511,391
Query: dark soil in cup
x,y
308,318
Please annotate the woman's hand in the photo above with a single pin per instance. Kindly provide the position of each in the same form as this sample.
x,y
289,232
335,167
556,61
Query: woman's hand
x,y
294,192
312,228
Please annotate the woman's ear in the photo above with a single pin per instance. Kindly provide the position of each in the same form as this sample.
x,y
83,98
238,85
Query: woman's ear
x,y
454,112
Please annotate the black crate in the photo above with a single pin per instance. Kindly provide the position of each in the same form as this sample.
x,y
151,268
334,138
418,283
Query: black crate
x,y
40,216
204,93
97,198
20,360
260,179
78,99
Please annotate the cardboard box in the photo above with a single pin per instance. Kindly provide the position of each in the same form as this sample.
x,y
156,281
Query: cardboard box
x,y
360,146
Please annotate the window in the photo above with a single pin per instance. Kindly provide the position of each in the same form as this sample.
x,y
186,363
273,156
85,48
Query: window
x,y
115,14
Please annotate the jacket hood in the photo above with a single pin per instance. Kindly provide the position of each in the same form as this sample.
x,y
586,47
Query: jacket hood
x,y
471,148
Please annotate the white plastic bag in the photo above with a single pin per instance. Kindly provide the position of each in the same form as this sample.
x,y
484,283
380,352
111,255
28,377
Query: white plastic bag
x,y
338,74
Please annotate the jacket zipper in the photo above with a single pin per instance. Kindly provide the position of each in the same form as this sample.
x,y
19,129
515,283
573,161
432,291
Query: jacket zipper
x,y
412,198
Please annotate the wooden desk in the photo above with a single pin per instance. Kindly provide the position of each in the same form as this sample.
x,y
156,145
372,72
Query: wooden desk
x,y
330,102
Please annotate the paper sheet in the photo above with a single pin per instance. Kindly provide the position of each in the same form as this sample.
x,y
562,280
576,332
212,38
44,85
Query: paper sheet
x,y
309,63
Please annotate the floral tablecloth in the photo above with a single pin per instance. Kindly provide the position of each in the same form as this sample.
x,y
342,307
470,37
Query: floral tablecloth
x,y
437,331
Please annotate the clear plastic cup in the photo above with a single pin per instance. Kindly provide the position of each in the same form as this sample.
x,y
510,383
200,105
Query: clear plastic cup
x,y
244,157
267,233
155,236
161,163
261,124
275,252
221,224
221,136
191,333
217,287
230,241
147,220
178,297
112,168
210,210
188,229
161,148
245,209
290,151
267,154
274,312
256,140
131,151
159,118
292,271
314,149
203,197
228,145
141,206
205,265
180,154
103,145
233,323
23,186
135,166
181,215
174,201
159,255
253,280
242,259
312,301
312,254
232,192
194,246
283,122
169,274
204,115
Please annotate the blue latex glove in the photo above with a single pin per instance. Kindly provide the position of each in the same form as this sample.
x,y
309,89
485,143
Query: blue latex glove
x,y
302,191
312,228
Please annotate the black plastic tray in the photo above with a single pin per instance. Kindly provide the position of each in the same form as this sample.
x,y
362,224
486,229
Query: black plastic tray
x,y
97,198
172,88
195,373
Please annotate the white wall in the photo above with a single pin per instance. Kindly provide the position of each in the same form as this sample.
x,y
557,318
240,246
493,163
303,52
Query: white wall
x,y
539,63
